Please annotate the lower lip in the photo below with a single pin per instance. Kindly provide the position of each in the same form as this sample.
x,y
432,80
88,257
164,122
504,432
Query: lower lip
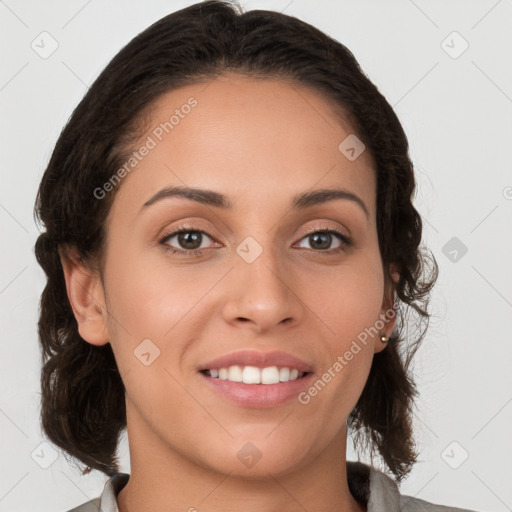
x,y
259,396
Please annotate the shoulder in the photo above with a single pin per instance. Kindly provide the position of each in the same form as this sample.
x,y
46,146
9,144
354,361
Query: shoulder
x,y
385,495
90,506
107,502
411,504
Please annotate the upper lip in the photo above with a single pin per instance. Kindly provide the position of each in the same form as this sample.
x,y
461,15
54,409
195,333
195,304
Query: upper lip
x,y
258,359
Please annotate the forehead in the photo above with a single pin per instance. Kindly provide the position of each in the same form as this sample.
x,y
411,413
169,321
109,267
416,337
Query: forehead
x,y
262,138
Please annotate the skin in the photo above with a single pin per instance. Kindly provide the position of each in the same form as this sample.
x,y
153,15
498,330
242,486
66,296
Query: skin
x,y
259,143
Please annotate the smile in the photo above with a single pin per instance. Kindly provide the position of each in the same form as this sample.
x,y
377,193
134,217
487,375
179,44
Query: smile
x,y
255,375
257,395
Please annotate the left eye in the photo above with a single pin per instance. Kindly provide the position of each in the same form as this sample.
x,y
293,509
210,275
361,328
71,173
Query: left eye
x,y
322,240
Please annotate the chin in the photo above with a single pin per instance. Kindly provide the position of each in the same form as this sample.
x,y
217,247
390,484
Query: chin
x,y
254,460
262,470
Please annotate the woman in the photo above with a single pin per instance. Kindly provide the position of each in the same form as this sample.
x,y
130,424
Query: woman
x,y
230,246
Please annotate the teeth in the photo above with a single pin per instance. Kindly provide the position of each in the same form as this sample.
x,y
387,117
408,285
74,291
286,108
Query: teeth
x,y
284,374
235,374
251,375
270,375
254,375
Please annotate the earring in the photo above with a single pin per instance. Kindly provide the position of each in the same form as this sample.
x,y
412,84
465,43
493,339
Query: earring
x,y
384,339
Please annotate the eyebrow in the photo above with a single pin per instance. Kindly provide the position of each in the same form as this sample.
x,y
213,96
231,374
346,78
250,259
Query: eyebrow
x,y
218,200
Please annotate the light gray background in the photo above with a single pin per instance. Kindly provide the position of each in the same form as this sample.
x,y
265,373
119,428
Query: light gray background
x,y
457,113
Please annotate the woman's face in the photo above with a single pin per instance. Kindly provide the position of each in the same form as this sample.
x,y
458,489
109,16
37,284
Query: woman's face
x,y
260,282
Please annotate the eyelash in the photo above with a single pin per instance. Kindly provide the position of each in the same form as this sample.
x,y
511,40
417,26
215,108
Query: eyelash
x,y
346,242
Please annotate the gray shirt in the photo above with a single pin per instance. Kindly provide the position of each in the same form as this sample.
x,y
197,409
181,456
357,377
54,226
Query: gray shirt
x,y
370,487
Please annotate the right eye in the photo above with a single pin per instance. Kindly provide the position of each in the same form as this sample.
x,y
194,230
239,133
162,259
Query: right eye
x,y
189,241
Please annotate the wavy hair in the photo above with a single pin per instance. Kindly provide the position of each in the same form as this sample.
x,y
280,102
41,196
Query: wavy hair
x,y
82,400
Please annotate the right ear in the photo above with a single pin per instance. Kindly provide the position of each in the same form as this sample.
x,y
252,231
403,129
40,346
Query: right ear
x,y
86,296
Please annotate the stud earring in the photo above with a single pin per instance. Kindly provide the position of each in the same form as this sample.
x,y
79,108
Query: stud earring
x,y
384,339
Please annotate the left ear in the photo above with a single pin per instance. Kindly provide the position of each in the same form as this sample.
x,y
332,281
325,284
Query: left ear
x,y
388,313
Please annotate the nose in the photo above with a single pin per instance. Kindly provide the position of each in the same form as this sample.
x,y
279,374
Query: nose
x,y
261,295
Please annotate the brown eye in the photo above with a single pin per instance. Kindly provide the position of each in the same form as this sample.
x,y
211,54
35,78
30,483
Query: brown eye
x,y
187,241
321,240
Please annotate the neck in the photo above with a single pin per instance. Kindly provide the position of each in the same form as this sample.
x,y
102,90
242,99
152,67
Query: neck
x,y
161,479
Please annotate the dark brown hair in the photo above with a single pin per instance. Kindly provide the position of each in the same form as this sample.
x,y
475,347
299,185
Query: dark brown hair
x,y
82,403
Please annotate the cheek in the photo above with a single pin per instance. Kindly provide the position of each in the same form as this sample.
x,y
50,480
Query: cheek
x,y
147,295
350,298
350,307
152,300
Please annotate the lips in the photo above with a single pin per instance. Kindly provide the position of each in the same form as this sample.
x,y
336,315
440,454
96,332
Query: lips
x,y
258,359
253,394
